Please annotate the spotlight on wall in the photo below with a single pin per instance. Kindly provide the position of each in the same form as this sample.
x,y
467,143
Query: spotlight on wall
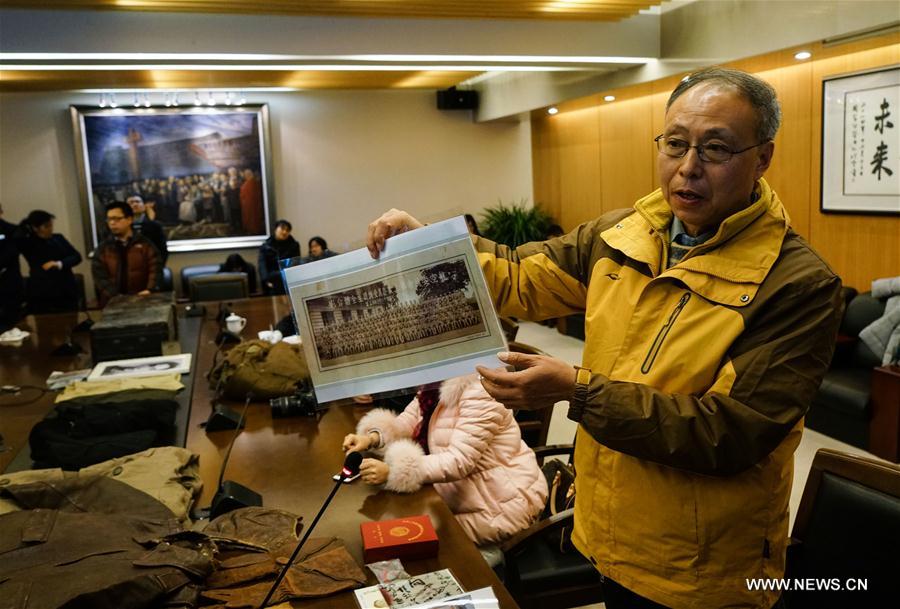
x,y
146,100
103,101
243,99
552,110
136,101
802,55
609,98
210,100
228,98
175,98
197,101
112,101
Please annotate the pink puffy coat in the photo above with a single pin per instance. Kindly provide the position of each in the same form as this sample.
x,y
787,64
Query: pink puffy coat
x,y
478,462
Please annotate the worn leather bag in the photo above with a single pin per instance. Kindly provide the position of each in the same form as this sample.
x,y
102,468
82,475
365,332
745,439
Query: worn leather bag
x,y
258,367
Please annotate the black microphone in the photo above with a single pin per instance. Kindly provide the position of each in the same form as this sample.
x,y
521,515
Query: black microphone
x,y
350,469
229,494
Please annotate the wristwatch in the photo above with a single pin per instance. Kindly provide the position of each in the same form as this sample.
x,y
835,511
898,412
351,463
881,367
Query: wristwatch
x,y
579,396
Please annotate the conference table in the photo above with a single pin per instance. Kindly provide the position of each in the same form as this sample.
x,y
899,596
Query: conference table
x,y
289,461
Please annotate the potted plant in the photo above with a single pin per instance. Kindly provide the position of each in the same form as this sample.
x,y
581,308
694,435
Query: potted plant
x,y
515,224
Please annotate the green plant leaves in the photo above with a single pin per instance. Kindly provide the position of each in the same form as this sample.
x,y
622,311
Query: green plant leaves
x,y
515,224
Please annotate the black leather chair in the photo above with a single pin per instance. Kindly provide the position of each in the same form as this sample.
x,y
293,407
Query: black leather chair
x,y
536,572
195,270
165,284
842,406
218,286
847,531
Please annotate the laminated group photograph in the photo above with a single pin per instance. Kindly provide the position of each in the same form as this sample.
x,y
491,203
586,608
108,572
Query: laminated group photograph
x,y
420,314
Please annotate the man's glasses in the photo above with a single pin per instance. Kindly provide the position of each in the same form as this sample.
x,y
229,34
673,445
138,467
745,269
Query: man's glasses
x,y
114,218
709,153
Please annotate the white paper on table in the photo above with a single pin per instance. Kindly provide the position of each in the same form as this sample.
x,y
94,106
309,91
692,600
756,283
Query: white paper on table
x,y
421,313
483,598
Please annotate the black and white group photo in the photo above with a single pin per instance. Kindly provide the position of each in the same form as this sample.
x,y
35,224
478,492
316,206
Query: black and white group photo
x,y
414,309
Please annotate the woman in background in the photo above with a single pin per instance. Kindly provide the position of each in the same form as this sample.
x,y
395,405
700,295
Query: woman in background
x,y
468,445
51,286
276,248
318,249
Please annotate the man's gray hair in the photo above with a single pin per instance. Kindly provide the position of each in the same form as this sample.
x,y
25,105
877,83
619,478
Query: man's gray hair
x,y
758,92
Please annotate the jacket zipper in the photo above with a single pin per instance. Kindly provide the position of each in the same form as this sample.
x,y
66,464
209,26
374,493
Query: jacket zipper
x,y
663,332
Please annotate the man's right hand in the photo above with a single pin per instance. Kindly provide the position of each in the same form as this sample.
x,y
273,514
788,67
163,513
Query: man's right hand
x,y
390,223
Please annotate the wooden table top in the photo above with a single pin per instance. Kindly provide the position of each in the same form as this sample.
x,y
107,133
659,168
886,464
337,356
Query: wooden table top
x,y
30,365
290,461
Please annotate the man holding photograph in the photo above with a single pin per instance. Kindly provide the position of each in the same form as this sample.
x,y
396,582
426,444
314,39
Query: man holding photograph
x,y
709,326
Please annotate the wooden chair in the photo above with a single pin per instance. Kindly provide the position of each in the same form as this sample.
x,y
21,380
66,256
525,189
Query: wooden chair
x,y
536,572
534,424
847,532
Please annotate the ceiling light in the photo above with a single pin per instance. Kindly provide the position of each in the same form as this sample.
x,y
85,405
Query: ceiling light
x,y
609,98
552,110
802,55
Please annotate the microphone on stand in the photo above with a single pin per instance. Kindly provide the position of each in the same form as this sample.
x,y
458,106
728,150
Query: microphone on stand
x,y
350,469
229,494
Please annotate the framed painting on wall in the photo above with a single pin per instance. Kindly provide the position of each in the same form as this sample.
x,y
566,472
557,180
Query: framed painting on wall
x,y
204,173
861,143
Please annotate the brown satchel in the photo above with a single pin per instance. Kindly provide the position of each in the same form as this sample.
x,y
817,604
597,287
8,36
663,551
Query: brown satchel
x,y
258,367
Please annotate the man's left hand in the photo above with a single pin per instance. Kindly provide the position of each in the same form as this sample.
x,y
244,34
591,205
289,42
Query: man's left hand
x,y
538,382
144,293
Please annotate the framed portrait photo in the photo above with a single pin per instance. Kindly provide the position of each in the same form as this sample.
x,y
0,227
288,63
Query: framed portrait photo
x,y
203,172
419,314
861,143
141,366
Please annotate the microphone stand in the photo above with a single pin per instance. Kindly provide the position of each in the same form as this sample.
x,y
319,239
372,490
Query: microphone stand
x,y
351,468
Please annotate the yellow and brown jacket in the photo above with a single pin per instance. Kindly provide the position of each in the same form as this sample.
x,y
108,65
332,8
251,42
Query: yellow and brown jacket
x,y
702,374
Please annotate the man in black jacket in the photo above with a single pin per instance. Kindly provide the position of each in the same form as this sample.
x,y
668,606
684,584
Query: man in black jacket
x,y
151,229
11,288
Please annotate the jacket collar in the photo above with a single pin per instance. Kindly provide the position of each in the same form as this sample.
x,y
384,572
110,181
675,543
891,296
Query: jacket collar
x,y
742,251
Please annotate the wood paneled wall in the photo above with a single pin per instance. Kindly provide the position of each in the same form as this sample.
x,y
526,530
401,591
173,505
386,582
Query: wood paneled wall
x,y
596,156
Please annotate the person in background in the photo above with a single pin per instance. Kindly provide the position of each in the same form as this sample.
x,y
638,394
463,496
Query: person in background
x,y
125,262
454,435
144,225
11,286
51,286
279,246
472,225
235,263
318,249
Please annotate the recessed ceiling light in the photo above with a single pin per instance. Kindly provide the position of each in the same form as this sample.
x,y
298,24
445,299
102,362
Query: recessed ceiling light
x,y
609,98
552,110
802,55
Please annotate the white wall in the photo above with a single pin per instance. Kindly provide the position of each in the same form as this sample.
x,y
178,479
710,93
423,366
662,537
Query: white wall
x,y
340,158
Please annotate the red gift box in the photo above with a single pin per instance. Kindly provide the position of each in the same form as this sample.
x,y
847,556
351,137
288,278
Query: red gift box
x,y
408,538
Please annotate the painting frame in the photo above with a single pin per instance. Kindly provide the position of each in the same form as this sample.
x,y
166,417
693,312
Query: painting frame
x,y
92,204
846,185
141,366
421,313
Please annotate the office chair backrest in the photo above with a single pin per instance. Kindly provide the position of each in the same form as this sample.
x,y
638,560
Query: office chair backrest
x,y
219,286
195,270
847,527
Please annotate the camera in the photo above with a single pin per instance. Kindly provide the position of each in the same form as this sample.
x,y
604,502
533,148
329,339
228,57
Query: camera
x,y
303,403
